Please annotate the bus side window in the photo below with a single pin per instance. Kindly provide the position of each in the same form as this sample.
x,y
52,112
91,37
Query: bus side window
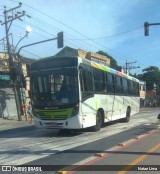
x,y
99,81
136,88
118,85
131,89
110,83
81,80
86,81
125,86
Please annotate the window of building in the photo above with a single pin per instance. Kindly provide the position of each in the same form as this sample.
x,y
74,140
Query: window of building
x,y
95,60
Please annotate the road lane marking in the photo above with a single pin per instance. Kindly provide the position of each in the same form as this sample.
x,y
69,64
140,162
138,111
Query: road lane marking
x,y
136,161
109,152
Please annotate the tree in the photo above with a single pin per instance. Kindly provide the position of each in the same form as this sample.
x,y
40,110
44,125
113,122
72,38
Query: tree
x,y
151,75
113,62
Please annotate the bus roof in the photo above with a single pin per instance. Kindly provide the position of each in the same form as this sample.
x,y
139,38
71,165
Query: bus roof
x,y
107,69
90,63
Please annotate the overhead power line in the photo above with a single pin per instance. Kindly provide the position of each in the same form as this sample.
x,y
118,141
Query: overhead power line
x,y
71,28
115,35
86,37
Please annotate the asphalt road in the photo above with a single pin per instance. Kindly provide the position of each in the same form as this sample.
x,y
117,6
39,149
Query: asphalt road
x,y
30,146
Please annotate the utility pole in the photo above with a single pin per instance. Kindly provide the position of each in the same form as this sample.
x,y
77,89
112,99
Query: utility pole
x,y
9,17
4,50
128,68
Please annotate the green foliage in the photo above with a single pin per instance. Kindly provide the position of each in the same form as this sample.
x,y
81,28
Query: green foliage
x,y
151,75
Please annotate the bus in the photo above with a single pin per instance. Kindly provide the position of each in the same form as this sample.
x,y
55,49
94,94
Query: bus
x,y
76,93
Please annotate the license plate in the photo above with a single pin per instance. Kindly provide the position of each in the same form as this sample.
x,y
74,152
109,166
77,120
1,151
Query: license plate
x,y
52,123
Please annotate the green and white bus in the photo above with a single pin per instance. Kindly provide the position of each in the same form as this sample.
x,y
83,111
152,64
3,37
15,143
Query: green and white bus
x,y
76,93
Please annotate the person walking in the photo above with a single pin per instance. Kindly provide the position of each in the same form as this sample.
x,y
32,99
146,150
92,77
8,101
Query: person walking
x,y
29,112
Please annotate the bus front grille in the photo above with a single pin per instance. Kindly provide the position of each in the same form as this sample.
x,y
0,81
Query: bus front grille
x,y
60,114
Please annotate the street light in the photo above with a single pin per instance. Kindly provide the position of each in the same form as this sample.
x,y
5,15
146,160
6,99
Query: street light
x,y
28,30
59,44
19,85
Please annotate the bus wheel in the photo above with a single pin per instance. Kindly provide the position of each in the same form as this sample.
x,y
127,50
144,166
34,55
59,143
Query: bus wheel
x,y
128,114
98,125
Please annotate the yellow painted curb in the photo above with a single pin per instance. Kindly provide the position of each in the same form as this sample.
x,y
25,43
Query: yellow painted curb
x,y
60,172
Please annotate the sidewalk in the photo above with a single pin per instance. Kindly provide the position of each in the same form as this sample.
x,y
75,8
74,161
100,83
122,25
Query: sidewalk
x,y
149,108
11,123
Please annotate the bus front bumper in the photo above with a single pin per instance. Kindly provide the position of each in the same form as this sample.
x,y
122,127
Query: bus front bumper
x,y
70,123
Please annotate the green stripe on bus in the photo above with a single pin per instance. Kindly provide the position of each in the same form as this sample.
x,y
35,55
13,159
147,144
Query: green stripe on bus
x,y
64,113
107,69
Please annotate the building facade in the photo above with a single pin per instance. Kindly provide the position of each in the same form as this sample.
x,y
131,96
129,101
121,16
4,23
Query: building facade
x,y
98,58
7,94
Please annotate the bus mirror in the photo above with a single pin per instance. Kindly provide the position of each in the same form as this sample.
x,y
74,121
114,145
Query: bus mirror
x,y
60,40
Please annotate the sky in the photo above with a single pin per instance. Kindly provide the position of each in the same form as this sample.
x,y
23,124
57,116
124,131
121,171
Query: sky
x,y
113,26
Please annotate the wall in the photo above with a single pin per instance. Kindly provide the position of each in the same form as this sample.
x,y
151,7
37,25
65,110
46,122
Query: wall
x,y
7,103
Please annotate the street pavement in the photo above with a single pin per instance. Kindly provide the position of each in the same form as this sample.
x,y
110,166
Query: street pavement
x,y
140,154
12,122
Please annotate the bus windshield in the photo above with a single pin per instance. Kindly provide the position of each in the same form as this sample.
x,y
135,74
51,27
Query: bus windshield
x,y
55,88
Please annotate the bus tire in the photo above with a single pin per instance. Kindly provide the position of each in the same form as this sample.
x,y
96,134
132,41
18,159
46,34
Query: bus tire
x,y
98,125
128,114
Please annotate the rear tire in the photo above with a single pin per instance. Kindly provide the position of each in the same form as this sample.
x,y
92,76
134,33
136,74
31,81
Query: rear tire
x,y
98,125
128,114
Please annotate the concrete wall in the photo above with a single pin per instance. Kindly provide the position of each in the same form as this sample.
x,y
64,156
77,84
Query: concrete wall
x,y
7,103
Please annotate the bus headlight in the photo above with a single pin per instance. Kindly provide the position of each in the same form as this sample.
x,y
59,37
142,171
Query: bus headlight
x,y
75,111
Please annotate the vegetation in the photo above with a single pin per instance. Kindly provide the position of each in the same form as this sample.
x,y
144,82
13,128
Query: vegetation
x,y
151,75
